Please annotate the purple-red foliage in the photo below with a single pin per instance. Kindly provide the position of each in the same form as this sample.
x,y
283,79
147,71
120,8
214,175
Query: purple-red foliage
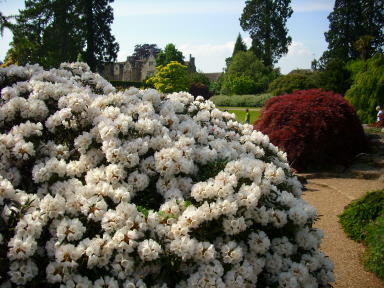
x,y
316,128
200,89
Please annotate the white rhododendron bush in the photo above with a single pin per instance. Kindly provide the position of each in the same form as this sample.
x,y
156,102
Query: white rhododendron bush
x,y
100,188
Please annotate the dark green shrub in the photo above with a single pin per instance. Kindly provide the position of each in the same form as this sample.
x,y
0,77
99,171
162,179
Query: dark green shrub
x,y
242,85
291,82
334,77
360,213
374,254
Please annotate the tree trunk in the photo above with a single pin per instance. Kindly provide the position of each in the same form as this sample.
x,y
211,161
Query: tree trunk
x,y
90,37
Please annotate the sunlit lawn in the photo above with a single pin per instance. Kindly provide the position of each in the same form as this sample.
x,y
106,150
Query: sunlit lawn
x,y
240,114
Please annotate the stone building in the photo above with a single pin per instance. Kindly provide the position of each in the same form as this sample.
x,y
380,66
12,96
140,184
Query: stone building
x,y
136,70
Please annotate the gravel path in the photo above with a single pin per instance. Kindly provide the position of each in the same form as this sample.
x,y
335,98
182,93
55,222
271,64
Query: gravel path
x,y
330,196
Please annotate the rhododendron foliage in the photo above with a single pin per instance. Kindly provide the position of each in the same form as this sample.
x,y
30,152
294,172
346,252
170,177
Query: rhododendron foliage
x,y
100,188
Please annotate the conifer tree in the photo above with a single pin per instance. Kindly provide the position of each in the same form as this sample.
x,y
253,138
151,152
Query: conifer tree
x,y
50,32
351,21
46,32
101,45
266,22
239,45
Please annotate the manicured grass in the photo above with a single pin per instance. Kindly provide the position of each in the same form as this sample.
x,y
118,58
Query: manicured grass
x,y
240,114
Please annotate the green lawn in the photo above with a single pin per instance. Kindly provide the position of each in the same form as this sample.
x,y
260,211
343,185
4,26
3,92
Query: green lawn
x,y
240,114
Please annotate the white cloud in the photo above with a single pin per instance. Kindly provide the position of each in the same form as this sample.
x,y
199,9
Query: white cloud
x,y
297,49
211,57
123,54
298,56
208,57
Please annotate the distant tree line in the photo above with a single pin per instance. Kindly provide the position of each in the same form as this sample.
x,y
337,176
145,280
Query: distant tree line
x,y
355,34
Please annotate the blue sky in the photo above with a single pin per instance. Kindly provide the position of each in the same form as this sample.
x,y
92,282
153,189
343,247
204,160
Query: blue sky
x,y
207,29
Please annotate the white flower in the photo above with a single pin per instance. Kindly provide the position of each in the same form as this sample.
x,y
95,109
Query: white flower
x,y
67,255
52,206
21,272
231,252
259,242
119,182
234,225
23,150
83,141
149,250
21,247
205,251
70,229
138,180
106,282
114,173
282,246
94,208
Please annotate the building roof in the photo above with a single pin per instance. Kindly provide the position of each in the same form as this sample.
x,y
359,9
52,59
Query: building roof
x,y
213,76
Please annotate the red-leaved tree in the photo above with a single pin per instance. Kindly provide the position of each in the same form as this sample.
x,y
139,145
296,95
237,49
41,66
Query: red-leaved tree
x,y
200,89
316,128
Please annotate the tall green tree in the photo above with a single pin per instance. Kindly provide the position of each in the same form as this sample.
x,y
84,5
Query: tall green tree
x,y
239,46
50,32
266,22
101,45
247,69
169,54
345,26
143,50
46,32
349,22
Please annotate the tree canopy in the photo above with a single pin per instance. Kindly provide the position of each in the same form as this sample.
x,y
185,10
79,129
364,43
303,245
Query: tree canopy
x,y
367,90
239,45
245,68
292,82
5,23
169,54
355,29
101,45
51,32
266,22
143,50
169,78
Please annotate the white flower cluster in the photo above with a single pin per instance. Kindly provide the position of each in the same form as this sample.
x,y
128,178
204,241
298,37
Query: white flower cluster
x,y
141,189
